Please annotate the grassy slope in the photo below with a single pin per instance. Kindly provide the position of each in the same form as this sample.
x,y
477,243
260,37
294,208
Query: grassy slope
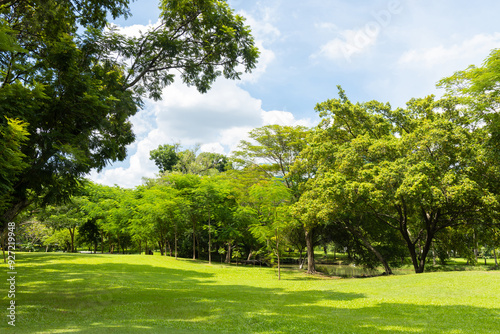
x,y
77,293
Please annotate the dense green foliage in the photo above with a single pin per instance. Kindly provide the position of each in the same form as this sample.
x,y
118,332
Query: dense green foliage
x,y
75,84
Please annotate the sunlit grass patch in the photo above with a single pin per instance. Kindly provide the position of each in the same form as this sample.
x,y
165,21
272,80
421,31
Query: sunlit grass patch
x,y
86,293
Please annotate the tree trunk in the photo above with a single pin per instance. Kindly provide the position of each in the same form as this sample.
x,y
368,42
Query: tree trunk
x,y
160,244
410,245
194,242
433,255
146,250
175,245
209,241
102,242
228,254
495,255
278,255
198,245
369,246
425,252
311,268
10,214
109,244
72,234
475,245
165,243
169,248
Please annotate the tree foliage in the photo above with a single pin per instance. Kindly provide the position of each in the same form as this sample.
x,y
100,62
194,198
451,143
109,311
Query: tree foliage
x,y
76,84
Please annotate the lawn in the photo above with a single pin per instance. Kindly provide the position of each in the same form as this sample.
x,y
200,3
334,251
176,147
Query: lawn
x,y
86,293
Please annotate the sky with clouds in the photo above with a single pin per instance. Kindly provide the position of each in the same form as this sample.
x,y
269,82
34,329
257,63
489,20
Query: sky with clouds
x,y
386,50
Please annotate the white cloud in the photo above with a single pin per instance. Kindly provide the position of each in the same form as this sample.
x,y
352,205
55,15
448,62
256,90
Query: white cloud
x,y
454,56
136,29
265,33
217,120
350,43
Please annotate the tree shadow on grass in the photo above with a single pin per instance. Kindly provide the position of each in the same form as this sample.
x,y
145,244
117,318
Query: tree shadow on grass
x,y
138,298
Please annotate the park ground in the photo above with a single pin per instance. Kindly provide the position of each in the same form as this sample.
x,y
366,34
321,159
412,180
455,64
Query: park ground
x,y
94,293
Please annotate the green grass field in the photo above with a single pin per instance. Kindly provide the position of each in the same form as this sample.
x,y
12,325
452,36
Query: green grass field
x,y
84,293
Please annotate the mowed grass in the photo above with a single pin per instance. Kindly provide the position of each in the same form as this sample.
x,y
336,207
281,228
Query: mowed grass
x,y
86,293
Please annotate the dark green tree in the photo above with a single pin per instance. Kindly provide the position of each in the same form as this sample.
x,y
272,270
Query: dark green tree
x,y
77,90
165,157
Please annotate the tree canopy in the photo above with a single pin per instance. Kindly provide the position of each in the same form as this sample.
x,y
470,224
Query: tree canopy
x,y
75,84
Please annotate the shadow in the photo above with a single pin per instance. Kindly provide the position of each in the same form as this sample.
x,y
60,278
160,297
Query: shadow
x,y
69,297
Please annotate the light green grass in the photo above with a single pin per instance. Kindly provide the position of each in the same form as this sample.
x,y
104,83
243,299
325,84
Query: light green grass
x,y
84,293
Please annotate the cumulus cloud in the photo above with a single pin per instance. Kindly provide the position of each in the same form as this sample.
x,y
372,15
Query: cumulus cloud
x,y
217,120
468,51
350,42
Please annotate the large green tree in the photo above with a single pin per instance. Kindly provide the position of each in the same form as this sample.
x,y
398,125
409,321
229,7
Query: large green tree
x,y
76,84
275,149
414,170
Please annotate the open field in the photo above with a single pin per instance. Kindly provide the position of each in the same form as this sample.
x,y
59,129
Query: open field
x,y
86,293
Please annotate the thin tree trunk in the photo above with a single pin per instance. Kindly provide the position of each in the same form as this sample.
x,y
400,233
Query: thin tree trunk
x,y
102,242
369,246
311,268
475,245
175,245
425,252
278,255
228,254
166,247
72,234
160,244
146,250
495,255
433,255
411,247
209,241
109,244
194,242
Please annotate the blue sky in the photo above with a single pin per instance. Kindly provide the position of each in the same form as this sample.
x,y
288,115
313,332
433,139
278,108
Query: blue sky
x,y
387,50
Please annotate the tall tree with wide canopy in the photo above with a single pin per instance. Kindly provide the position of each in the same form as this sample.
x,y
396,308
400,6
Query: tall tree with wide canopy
x,y
77,90
275,149
414,170
269,203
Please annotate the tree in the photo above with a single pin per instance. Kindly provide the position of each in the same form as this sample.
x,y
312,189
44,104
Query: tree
x,y
77,90
66,217
168,158
275,149
52,81
212,194
414,170
269,202
186,185
165,157
13,134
